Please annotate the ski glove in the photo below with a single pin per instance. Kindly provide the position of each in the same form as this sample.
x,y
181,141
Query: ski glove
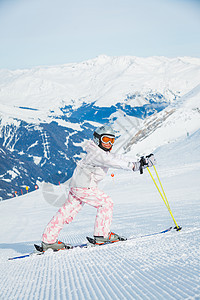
x,y
150,160
147,161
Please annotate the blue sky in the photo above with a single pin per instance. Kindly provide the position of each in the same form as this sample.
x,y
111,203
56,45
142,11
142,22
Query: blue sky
x,y
49,32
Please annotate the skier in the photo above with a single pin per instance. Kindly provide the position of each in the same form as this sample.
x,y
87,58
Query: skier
x,y
84,189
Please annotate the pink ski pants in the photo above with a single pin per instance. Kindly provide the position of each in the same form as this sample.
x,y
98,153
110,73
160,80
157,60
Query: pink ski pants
x,y
76,199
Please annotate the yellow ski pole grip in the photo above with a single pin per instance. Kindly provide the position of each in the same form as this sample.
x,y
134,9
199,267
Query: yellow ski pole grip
x,y
164,199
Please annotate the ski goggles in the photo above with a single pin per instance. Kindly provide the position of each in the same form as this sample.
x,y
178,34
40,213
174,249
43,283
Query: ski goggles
x,y
107,140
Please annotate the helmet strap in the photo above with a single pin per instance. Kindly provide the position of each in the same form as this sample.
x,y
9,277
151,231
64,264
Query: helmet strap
x,y
105,149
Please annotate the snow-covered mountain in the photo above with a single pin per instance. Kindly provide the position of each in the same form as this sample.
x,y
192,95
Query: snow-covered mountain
x,y
46,113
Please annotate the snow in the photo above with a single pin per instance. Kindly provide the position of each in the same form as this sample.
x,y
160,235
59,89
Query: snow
x,y
164,266
106,80
36,160
157,267
174,122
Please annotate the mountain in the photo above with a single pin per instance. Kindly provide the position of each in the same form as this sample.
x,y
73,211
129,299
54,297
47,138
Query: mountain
x,y
47,113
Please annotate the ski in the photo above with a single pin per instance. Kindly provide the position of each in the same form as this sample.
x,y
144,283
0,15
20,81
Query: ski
x,y
92,240
39,251
151,234
26,255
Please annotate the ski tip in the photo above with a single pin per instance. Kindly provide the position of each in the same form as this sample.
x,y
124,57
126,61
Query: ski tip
x,y
18,257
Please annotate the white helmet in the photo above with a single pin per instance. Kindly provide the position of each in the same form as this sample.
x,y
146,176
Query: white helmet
x,y
100,132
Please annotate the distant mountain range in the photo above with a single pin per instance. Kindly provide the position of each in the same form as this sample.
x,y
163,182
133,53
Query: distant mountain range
x,y
47,113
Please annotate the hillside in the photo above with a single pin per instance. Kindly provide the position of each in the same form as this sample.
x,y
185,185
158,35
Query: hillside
x,y
47,113
156,267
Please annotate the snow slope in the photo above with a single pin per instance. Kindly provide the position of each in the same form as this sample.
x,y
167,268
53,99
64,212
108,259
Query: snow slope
x,y
174,122
177,120
158,267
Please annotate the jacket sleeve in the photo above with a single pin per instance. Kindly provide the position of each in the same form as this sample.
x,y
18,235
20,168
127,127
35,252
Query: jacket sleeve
x,y
110,160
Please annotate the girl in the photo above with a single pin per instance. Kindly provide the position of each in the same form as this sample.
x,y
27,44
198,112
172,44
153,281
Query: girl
x,y
84,189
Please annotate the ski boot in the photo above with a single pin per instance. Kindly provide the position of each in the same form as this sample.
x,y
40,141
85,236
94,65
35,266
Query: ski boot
x,y
55,246
111,238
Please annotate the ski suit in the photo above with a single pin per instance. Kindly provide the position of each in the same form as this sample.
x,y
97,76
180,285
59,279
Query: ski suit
x,y
84,189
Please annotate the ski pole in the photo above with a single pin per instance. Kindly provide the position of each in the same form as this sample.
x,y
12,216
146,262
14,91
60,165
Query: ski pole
x,y
163,197
161,186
